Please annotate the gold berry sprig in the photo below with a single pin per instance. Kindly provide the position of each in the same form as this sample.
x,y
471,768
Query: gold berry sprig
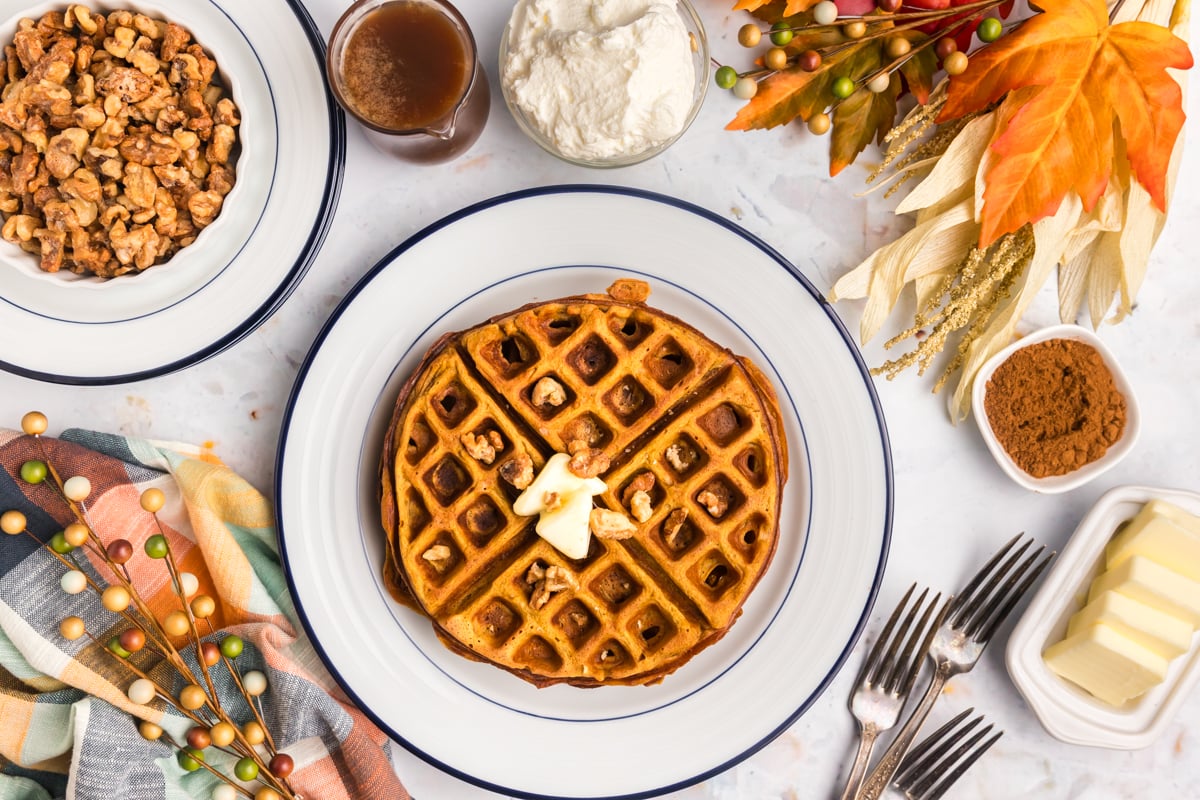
x,y
824,41
259,762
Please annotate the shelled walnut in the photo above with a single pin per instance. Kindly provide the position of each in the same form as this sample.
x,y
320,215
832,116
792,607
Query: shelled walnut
x,y
610,524
547,581
117,143
481,447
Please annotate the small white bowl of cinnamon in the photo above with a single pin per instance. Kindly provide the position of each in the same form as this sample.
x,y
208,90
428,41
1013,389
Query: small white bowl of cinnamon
x,y
1055,409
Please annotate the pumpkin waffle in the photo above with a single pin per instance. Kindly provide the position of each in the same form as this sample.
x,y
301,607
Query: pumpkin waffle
x,y
686,436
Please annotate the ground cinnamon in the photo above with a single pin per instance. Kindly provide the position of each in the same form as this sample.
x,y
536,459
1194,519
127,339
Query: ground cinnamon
x,y
1054,407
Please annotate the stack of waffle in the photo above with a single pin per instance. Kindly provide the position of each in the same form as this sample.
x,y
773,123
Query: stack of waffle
x,y
686,436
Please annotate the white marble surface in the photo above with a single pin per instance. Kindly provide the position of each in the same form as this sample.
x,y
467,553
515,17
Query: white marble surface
x,y
953,505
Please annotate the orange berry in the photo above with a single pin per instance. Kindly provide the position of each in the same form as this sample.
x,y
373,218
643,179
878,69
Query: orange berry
x,y
253,733
71,628
203,606
34,423
956,63
898,46
222,734
176,623
115,598
12,522
153,500
76,534
192,697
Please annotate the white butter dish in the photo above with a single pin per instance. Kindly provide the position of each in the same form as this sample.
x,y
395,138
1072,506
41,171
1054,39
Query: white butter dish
x,y
1067,712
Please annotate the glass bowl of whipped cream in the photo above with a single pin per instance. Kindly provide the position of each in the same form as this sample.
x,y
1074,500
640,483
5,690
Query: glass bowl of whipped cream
x,y
604,83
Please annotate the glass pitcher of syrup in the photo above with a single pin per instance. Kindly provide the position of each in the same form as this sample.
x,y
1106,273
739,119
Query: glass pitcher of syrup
x,y
409,71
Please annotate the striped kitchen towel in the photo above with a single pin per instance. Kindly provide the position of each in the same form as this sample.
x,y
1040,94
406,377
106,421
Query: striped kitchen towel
x,y
66,725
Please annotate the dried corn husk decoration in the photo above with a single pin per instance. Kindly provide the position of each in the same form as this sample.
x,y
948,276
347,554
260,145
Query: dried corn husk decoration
x,y
978,296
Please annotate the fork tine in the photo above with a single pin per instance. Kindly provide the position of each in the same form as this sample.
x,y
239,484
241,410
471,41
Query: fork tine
x,y
1005,579
927,774
936,792
897,661
969,589
905,663
915,667
974,595
915,760
876,706
876,655
1002,610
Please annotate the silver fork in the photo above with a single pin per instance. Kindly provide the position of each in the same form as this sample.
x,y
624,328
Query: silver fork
x,y
934,765
974,616
887,676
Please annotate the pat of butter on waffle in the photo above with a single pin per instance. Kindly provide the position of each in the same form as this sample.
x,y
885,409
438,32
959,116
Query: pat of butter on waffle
x,y
563,503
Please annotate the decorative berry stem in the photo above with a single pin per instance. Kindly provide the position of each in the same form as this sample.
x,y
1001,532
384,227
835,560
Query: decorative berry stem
x,y
213,725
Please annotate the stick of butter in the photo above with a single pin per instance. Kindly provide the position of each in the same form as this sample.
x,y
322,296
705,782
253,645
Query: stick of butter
x,y
1142,611
1162,533
1107,664
1159,632
1153,584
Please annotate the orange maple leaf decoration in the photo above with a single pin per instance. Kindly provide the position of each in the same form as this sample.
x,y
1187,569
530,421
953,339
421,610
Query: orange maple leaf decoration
x,y
793,6
1092,76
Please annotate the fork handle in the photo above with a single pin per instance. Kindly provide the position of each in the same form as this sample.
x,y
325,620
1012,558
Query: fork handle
x,y
881,776
866,743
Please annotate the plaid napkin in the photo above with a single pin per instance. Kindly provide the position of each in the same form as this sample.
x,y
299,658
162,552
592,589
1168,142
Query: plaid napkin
x,y
65,723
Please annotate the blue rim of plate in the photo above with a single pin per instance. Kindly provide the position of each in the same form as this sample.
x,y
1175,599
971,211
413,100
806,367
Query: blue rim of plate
x,y
312,246
787,266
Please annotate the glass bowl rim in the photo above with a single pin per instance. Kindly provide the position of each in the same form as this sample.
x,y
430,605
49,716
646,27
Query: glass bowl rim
x,y
698,35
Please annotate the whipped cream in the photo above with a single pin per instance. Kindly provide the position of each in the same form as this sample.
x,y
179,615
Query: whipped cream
x,y
600,78
563,502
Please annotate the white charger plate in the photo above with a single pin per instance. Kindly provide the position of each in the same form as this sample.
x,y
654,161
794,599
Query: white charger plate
x,y
481,723
70,329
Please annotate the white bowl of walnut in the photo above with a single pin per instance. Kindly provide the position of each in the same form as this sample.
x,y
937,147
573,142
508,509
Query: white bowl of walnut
x,y
119,138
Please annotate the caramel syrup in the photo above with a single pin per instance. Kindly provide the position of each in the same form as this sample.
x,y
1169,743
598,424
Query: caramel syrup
x,y
405,66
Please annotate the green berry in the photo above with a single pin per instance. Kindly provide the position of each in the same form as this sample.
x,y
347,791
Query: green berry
x,y
59,544
246,769
33,471
189,758
990,30
156,546
842,88
726,77
781,33
114,646
232,646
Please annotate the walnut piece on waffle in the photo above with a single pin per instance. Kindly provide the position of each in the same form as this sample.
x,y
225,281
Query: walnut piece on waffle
x,y
611,524
686,437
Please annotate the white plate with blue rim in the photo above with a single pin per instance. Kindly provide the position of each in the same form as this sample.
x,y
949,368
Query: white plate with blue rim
x,y
72,329
478,722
